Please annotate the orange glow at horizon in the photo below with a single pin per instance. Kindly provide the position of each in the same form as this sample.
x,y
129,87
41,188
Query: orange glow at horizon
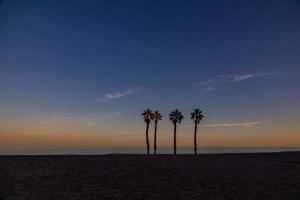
x,y
207,137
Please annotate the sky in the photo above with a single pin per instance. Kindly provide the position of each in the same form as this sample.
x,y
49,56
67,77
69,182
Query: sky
x,y
80,73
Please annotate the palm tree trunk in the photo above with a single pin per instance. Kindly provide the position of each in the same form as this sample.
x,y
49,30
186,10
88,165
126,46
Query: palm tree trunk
x,y
195,139
147,138
155,130
175,138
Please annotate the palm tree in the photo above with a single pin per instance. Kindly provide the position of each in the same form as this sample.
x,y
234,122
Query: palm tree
x,y
197,116
156,117
175,117
147,115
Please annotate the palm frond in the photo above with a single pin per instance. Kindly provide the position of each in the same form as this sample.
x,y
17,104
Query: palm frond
x,y
147,115
176,116
156,116
197,115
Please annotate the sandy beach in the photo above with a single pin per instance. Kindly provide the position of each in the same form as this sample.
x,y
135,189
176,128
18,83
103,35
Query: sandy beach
x,y
223,176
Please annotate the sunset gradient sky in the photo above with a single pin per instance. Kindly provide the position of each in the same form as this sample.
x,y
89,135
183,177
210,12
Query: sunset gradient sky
x,y
80,73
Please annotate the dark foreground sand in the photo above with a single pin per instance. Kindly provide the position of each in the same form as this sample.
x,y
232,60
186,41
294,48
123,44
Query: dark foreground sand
x,y
236,176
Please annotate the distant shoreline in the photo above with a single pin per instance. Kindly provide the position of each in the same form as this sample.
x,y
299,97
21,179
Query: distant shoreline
x,y
140,151
152,155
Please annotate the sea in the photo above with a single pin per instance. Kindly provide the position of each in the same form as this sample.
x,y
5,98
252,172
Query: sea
x,y
164,150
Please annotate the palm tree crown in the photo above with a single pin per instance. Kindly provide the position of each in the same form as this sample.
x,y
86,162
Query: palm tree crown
x,y
147,115
176,116
156,116
197,115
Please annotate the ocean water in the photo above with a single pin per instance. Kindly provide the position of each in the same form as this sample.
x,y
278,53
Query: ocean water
x,y
103,151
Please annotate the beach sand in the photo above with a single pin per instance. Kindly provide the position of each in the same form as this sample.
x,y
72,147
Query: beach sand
x,y
224,176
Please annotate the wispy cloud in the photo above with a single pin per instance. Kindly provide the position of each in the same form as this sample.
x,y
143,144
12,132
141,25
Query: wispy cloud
x,y
230,125
207,85
116,95
242,77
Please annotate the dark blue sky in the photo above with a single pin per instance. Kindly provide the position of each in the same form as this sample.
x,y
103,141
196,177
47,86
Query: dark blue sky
x,y
237,60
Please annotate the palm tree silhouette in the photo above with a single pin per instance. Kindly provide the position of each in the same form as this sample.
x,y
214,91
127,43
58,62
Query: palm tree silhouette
x,y
156,117
147,115
197,116
175,117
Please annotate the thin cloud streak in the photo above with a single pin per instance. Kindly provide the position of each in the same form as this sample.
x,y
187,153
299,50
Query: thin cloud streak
x,y
116,95
242,77
231,125
221,78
